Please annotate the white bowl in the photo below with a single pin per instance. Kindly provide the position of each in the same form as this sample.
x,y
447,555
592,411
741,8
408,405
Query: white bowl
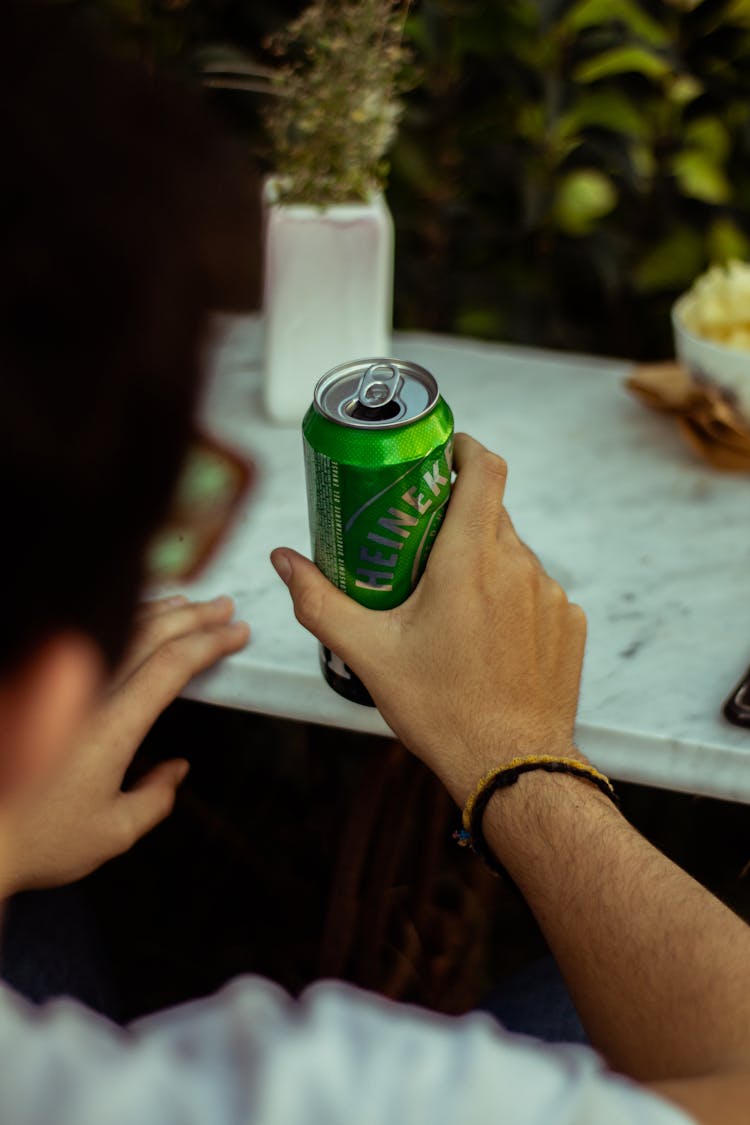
x,y
726,368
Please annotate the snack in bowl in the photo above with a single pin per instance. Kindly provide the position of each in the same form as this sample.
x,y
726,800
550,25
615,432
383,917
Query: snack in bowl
x,y
708,389
711,325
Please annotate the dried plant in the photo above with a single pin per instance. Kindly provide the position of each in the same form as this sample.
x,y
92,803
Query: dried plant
x,y
342,68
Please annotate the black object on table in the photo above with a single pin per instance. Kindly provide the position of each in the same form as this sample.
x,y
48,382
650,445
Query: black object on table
x,y
737,707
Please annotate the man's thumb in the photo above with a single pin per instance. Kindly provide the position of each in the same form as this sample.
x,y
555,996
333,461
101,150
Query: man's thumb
x,y
329,614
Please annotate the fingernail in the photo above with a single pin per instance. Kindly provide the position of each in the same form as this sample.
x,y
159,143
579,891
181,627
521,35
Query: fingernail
x,y
223,599
182,771
241,628
282,566
178,599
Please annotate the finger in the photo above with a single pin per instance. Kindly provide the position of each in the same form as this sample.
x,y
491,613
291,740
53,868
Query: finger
x,y
170,624
149,801
155,683
184,618
476,503
154,606
339,622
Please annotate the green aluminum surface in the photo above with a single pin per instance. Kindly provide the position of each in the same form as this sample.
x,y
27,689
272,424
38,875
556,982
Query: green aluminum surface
x,y
376,501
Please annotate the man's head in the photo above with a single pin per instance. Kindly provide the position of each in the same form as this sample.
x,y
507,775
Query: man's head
x,y
123,223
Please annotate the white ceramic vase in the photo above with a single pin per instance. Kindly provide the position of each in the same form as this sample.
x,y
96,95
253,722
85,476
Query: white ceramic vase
x,y
328,294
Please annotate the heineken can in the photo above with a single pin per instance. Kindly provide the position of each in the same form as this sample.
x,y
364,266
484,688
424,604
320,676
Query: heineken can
x,y
378,443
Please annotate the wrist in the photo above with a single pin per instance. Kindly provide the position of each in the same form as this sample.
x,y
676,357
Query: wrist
x,y
542,821
463,773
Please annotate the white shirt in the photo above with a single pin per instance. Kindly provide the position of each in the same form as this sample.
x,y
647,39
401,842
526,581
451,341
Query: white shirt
x,y
252,1056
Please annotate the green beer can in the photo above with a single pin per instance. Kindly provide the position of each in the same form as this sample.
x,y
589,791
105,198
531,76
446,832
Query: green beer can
x,y
378,443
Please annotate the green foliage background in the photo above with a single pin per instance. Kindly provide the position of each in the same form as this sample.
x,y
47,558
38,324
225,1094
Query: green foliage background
x,y
564,168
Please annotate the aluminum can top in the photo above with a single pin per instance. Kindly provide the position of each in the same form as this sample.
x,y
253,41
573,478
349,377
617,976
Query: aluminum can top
x,y
376,394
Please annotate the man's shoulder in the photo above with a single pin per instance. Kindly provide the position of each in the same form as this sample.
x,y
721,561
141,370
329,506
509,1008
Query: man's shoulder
x,y
253,1054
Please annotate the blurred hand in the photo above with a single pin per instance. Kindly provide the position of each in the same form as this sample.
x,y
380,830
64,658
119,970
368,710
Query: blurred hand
x,y
80,817
483,661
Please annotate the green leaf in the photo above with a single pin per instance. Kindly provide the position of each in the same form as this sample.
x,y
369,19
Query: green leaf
x,y
737,12
644,162
725,241
607,109
622,60
531,123
226,58
684,88
672,263
710,136
594,13
582,198
699,177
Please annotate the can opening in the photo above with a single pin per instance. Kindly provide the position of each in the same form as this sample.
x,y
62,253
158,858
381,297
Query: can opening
x,y
375,393
384,413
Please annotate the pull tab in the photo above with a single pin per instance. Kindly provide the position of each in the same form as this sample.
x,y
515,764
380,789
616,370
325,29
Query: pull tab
x,y
378,386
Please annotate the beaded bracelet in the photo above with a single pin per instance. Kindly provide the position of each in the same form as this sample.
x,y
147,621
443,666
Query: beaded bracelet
x,y
471,834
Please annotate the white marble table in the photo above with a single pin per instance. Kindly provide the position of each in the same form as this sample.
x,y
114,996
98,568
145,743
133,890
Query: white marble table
x,y
653,544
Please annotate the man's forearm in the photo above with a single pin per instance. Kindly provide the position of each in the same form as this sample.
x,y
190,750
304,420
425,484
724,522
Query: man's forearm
x,y
658,968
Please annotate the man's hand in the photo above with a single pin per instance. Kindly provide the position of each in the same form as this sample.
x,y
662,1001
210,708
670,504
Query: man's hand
x,y
80,817
483,661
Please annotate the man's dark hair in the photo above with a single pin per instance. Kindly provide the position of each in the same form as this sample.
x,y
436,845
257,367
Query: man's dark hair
x,y
124,219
